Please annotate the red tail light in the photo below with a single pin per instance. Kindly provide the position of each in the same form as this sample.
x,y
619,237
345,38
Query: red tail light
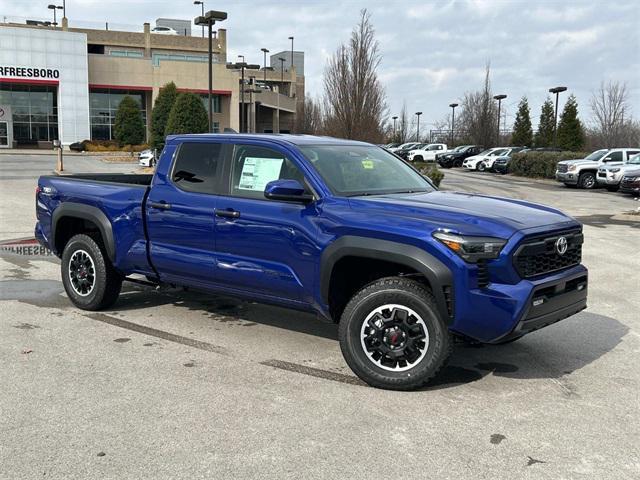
x,y
38,189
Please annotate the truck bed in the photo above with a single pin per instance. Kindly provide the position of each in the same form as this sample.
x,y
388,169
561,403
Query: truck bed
x,y
121,178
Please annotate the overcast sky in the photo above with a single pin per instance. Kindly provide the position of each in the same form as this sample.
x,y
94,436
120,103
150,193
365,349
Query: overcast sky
x,y
432,51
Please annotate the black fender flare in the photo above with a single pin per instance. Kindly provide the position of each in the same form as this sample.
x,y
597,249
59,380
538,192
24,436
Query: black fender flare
x,y
437,273
90,213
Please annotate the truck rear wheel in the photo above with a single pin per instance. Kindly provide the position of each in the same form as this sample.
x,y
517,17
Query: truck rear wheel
x,y
391,335
88,277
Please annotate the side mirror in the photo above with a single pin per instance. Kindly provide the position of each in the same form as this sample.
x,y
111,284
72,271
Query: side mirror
x,y
287,190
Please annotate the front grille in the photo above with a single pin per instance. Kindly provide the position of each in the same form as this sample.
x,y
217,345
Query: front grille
x,y
563,168
539,256
602,174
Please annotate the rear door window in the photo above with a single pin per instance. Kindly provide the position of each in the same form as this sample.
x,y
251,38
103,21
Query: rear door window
x,y
198,167
614,157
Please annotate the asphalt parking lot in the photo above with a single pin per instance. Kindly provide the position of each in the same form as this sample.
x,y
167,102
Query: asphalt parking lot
x,y
173,384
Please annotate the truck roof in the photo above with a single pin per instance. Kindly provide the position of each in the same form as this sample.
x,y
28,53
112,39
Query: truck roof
x,y
281,138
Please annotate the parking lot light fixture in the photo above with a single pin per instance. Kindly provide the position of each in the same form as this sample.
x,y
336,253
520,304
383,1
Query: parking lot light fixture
x,y
54,8
418,127
557,91
242,57
265,51
453,119
394,127
209,19
499,98
199,2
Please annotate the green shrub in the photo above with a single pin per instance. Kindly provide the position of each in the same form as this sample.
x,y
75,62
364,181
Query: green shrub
x,y
187,115
128,127
434,173
540,164
160,114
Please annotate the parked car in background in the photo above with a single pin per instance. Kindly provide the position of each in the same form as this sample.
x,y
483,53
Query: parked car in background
x,y
455,157
147,158
78,146
610,175
630,182
426,153
582,172
490,160
164,30
402,146
404,153
501,164
389,146
478,162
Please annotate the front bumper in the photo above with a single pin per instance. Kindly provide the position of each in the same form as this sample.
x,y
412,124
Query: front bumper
x,y
499,312
569,178
501,167
633,188
609,179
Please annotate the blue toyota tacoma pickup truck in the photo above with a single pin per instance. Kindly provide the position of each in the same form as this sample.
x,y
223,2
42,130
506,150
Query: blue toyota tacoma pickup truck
x,y
340,228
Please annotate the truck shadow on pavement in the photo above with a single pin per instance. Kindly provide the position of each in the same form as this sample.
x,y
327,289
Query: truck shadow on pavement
x,y
555,352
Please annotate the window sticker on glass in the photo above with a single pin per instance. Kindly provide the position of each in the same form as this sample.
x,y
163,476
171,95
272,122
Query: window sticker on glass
x,y
367,164
257,172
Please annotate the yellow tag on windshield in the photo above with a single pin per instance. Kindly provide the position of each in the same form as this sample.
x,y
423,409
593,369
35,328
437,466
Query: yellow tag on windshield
x,y
367,164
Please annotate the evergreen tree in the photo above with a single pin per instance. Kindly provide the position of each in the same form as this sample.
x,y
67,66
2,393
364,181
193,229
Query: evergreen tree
x,y
522,131
544,135
160,114
128,127
187,115
570,130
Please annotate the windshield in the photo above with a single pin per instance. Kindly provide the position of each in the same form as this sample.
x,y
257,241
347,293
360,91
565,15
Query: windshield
x,y
596,155
460,149
635,160
498,152
352,170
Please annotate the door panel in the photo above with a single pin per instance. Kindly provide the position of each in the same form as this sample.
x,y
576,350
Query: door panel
x,y
180,216
269,247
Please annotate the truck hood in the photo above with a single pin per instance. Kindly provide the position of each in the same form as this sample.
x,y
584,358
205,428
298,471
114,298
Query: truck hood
x,y
581,162
468,214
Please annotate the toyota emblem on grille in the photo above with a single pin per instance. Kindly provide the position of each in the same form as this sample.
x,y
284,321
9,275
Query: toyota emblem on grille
x,y
561,246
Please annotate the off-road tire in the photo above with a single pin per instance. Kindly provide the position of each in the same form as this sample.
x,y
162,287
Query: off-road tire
x,y
404,292
418,158
107,282
587,180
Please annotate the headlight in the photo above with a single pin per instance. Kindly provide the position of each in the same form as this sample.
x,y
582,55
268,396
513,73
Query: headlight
x,y
572,168
471,249
614,170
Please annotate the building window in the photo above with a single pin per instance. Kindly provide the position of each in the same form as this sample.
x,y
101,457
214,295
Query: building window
x,y
35,111
126,53
215,99
103,106
156,58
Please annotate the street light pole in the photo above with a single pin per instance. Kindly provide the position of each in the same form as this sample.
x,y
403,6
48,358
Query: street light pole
x,y
418,128
499,98
209,19
265,51
282,60
201,3
394,127
453,120
291,38
557,91
242,57
242,66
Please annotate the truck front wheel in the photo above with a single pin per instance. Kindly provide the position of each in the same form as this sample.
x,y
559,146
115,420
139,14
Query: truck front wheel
x,y
391,335
587,180
88,277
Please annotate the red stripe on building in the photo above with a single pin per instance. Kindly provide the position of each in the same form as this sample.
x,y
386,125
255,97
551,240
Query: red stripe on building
x,y
120,87
29,81
204,91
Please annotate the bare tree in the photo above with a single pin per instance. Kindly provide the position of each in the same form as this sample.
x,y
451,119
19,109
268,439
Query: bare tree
x,y
479,115
354,97
613,123
309,118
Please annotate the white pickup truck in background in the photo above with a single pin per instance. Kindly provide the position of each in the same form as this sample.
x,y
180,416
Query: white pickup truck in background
x,y
610,175
428,153
582,172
